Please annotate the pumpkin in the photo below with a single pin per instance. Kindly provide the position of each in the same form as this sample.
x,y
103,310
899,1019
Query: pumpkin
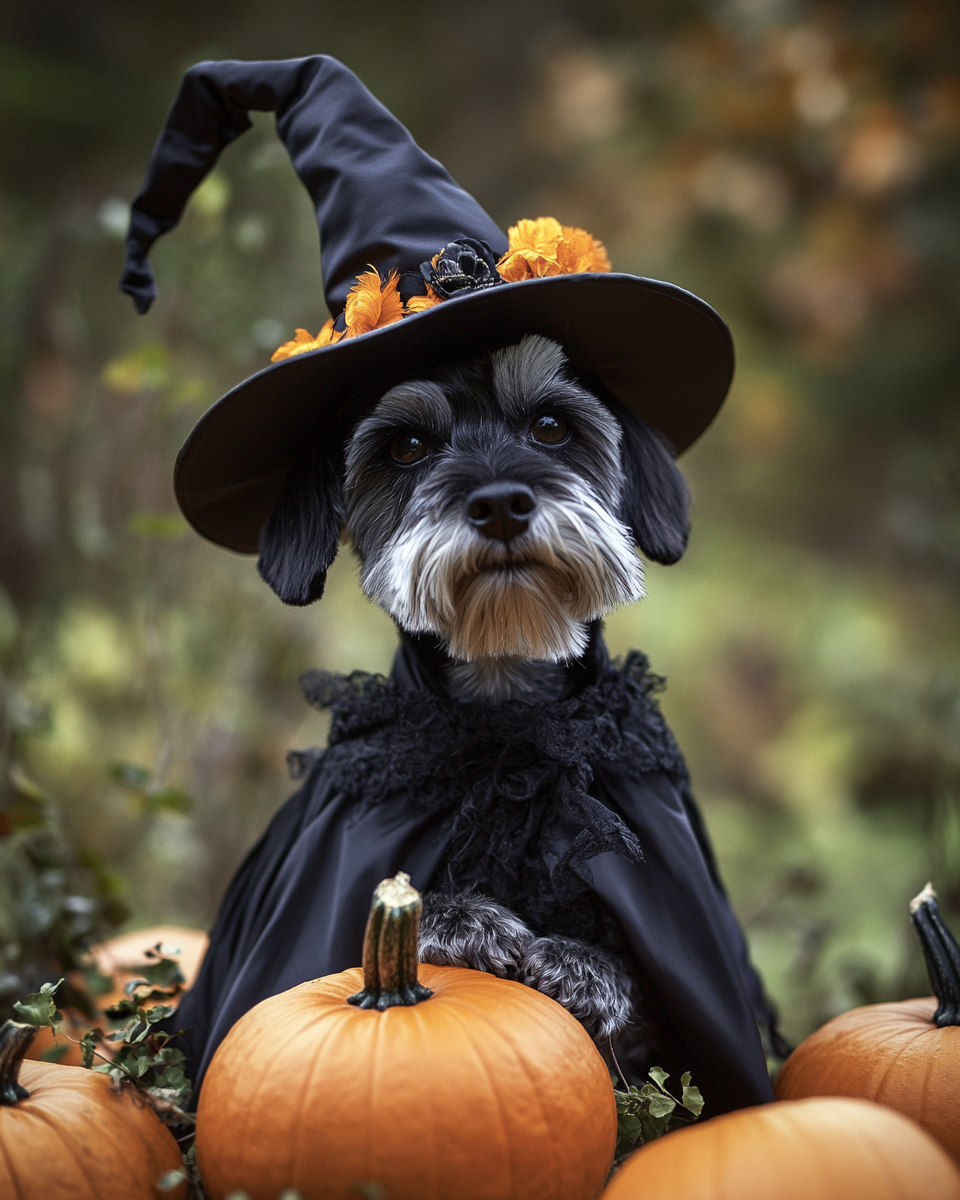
x,y
447,1083
905,1055
67,1134
120,959
815,1149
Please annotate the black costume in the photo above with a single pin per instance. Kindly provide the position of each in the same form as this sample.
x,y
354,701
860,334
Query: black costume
x,y
576,814
569,812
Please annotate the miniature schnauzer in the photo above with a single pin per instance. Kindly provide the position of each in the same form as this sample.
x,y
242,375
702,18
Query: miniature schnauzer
x,y
496,503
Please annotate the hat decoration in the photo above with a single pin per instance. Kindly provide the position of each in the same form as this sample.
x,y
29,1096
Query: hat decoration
x,y
537,250
414,272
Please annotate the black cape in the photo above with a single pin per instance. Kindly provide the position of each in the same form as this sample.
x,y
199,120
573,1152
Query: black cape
x,y
577,814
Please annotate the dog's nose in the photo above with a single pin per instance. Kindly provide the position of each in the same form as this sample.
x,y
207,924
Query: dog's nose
x,y
500,510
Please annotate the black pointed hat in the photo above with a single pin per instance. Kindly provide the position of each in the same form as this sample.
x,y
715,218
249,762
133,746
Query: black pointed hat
x,y
414,272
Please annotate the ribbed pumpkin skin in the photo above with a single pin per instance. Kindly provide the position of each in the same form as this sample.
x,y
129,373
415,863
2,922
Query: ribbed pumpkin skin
x,y
817,1149
75,1138
891,1053
486,1091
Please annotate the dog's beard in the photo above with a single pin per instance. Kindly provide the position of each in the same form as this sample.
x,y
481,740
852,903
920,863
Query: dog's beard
x,y
529,600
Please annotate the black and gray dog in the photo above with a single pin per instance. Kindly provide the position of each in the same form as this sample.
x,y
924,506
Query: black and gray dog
x,y
496,503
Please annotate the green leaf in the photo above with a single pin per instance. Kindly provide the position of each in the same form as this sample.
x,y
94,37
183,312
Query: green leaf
x,y
55,1054
692,1100
169,799
88,1045
96,983
166,1183
129,775
661,1106
658,1075
40,1009
685,1079
164,972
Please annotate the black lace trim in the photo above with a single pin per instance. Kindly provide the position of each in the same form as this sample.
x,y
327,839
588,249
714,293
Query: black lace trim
x,y
514,777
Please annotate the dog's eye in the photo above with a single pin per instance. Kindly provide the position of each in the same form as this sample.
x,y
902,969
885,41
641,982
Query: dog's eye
x,y
407,449
549,430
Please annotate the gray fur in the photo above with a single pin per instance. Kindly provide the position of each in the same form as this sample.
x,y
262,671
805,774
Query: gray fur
x,y
472,931
590,983
529,600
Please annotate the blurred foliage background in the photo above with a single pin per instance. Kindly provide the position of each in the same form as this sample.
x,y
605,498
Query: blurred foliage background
x,y
797,164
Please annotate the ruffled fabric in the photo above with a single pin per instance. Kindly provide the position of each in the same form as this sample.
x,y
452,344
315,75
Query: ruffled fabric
x,y
513,778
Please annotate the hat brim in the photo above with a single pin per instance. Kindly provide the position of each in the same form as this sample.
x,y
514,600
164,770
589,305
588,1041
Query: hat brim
x,y
663,352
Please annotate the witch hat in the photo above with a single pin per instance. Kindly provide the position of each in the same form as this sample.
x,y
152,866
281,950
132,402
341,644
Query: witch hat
x,y
414,271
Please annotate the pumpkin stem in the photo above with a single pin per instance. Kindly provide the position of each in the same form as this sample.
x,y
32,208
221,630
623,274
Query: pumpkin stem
x,y
941,954
15,1041
390,947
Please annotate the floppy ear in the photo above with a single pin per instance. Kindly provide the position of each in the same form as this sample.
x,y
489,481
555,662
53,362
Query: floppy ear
x,y
655,494
299,541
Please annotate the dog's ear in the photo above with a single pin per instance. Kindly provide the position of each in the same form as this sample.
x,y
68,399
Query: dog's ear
x,y
655,494
300,540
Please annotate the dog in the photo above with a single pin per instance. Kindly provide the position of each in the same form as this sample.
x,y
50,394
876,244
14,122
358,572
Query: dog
x,y
496,503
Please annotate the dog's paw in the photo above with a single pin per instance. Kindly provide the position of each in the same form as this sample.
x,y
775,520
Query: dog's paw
x,y
470,930
590,983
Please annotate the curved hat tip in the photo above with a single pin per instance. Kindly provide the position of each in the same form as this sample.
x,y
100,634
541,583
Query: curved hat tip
x,y
139,283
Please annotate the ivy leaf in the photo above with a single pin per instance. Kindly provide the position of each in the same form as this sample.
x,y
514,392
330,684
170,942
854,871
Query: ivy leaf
x,y
40,1009
658,1075
55,1054
164,972
691,1100
88,1046
661,1106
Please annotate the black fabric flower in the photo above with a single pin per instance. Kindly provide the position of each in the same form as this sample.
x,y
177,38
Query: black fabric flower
x,y
464,266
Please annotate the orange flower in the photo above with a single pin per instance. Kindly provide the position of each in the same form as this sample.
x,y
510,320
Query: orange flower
x,y
372,303
545,247
304,341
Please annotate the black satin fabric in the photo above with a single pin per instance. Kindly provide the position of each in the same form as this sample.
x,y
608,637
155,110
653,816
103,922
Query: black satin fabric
x,y
379,198
298,905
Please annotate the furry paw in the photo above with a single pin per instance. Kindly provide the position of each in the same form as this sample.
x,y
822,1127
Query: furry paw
x,y
470,930
590,984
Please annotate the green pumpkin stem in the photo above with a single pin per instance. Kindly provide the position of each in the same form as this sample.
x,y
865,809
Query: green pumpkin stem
x,y
15,1041
390,947
941,953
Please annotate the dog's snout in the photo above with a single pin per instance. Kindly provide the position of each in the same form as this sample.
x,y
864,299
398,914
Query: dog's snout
x,y
500,510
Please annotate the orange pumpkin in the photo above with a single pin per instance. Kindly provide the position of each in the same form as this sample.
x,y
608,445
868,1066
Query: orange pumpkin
x,y
456,1084
904,1055
121,958
817,1149
66,1134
